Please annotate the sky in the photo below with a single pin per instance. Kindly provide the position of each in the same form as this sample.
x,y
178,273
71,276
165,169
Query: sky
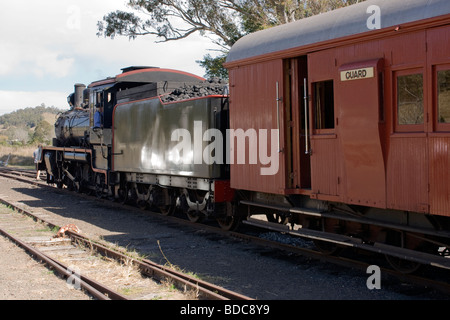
x,y
47,46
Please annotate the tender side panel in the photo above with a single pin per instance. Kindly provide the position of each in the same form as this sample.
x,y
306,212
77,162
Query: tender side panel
x,y
153,138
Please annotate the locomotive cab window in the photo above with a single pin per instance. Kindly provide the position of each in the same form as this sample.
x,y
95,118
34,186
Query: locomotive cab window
x,y
323,104
410,103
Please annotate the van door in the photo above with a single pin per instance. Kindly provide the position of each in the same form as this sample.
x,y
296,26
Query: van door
x,y
297,134
360,116
325,155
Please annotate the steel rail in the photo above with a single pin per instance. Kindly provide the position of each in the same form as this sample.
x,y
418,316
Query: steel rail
x,y
96,289
410,278
205,290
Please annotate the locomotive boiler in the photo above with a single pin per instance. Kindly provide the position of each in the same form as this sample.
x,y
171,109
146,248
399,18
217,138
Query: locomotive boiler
x,y
72,126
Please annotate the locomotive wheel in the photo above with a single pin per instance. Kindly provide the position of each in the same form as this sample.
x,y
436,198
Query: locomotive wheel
x,y
230,221
79,179
142,204
142,196
77,186
98,191
99,185
122,195
327,248
397,239
195,216
69,183
402,265
169,209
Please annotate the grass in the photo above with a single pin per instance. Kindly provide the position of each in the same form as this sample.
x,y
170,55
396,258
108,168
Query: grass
x,y
20,156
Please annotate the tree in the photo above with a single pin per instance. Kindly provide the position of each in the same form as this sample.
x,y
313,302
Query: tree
x,y
20,134
214,66
42,132
223,21
28,117
174,20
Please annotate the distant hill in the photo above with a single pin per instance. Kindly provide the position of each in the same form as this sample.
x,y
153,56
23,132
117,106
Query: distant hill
x,y
20,126
29,117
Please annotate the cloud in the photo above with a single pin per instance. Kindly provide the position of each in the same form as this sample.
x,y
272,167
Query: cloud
x,y
49,45
13,100
28,46
27,59
53,64
9,59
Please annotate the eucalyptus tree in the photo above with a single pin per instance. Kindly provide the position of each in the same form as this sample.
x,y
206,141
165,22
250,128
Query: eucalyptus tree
x,y
223,21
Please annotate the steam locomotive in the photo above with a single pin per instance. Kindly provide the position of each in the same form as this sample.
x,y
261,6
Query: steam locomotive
x,y
327,130
135,138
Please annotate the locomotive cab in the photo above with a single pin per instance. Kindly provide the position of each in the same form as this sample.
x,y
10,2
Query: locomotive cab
x,y
103,99
101,105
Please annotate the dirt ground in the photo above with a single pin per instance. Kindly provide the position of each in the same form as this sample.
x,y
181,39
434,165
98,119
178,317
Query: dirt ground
x,y
23,278
260,273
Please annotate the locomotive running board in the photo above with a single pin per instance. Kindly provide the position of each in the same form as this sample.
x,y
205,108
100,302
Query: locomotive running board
x,y
406,254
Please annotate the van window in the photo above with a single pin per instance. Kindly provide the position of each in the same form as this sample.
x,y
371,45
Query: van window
x,y
323,105
410,106
443,86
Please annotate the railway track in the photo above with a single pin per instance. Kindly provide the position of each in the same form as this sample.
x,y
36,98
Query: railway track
x,y
40,242
47,242
442,286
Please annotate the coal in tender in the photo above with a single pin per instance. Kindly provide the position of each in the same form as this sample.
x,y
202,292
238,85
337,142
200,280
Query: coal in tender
x,y
214,86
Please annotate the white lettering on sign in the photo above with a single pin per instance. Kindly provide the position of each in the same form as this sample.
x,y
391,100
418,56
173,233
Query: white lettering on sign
x,y
357,74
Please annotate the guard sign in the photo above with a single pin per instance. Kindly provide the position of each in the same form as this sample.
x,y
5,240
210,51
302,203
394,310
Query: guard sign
x,y
357,74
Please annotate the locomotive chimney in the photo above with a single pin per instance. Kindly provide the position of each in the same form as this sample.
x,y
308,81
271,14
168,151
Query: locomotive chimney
x,y
79,88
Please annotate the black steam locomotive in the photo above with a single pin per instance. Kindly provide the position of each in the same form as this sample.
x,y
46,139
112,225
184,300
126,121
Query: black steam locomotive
x,y
144,150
